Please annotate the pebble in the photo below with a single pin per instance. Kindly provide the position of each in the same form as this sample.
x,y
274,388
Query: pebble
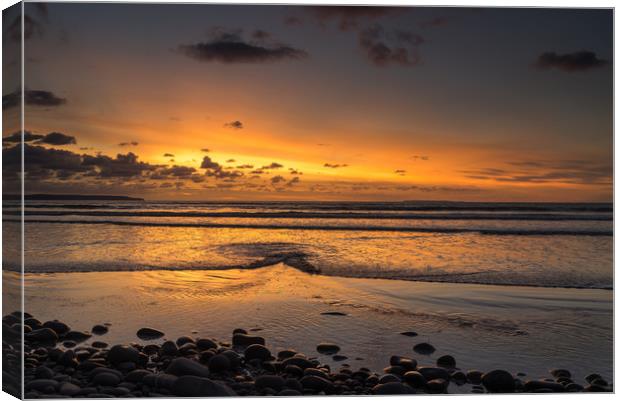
x,y
415,379
316,383
474,376
409,333
43,335
244,340
257,351
219,363
327,348
148,333
330,313
392,389
106,379
123,353
183,366
498,381
424,348
437,386
431,373
99,344
192,386
205,344
59,327
77,336
270,381
446,361
99,329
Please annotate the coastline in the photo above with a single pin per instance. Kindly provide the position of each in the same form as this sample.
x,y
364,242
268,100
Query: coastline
x,y
484,327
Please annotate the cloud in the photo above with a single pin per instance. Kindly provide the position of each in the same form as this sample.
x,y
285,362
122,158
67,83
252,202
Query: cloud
x,y
293,181
229,47
168,155
234,124
207,163
57,138
132,143
42,163
53,138
272,166
348,17
419,157
294,171
123,166
244,166
570,62
277,179
205,150
174,171
579,172
230,161
384,48
330,165
400,172
32,98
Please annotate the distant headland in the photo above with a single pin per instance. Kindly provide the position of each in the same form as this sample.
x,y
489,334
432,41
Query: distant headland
x,y
70,197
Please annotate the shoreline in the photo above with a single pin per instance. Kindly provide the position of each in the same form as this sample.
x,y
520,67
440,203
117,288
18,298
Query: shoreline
x,y
57,365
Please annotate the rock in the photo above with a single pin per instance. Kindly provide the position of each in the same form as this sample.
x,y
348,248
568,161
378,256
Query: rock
x,y
557,373
392,389
316,383
40,385
388,378
407,363
293,384
532,386
243,340
77,336
192,386
106,379
123,353
287,353
185,340
339,358
169,348
459,378
424,348
591,377
474,376
574,387
446,361
148,333
59,327
415,379
43,372
315,372
599,382
409,333
68,389
498,381
160,381
593,388
302,363
149,349
44,335
437,386
205,344
99,329
186,367
269,381
327,348
136,375
239,331
431,373
257,351
219,363
68,359
293,370
330,313
69,344
233,357
99,344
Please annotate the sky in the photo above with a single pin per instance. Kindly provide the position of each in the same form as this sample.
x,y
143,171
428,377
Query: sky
x,y
234,102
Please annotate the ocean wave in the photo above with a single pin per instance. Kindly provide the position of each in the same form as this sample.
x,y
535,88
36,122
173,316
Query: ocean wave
x,y
323,215
483,231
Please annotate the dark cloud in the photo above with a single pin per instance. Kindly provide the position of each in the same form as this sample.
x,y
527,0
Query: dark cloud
x,y
123,166
294,171
570,62
230,161
207,163
418,157
234,124
132,143
331,165
272,166
349,17
168,155
229,47
42,163
174,171
277,179
206,150
293,181
400,172
244,166
547,172
32,98
53,138
396,47
57,138
214,169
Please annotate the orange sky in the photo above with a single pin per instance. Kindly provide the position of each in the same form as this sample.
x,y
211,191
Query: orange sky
x,y
426,130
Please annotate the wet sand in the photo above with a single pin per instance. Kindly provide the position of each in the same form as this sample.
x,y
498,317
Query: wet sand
x,y
521,329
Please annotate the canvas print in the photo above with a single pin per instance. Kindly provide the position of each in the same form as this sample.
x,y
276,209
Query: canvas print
x,y
211,200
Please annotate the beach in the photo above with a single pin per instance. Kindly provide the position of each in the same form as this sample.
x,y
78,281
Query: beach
x,y
528,331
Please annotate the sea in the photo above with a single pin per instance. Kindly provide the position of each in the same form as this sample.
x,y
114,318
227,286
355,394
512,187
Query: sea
x,y
527,244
